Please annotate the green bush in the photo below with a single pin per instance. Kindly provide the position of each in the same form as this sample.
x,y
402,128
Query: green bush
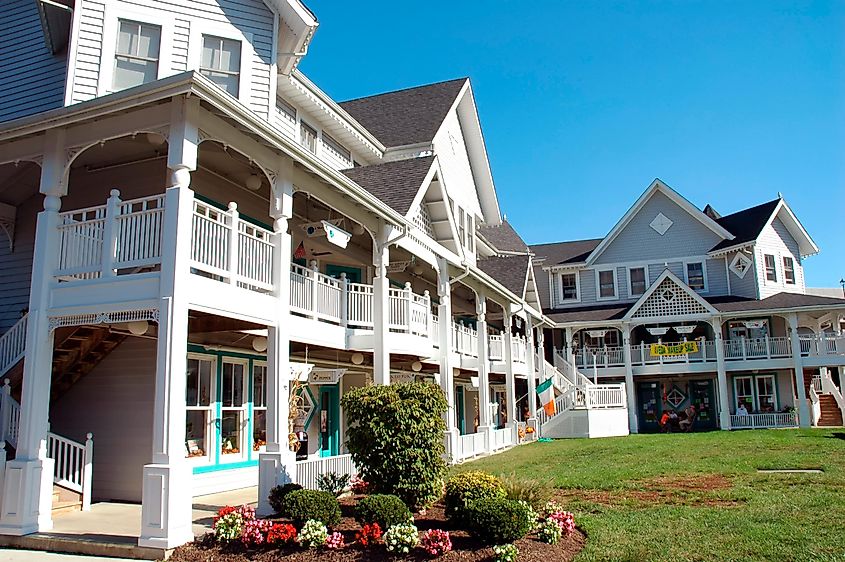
x,y
333,482
384,509
277,496
396,439
498,520
468,487
534,492
302,505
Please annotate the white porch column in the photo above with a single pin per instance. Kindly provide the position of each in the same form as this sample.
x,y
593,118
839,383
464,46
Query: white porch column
x,y
484,422
510,383
570,352
381,308
167,481
721,375
798,367
277,464
531,359
447,373
630,389
28,482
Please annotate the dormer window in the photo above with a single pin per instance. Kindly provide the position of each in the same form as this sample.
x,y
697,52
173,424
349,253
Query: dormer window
x,y
308,137
569,287
136,55
221,62
788,270
771,268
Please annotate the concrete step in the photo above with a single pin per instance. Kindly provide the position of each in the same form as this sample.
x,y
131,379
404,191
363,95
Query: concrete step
x,y
63,508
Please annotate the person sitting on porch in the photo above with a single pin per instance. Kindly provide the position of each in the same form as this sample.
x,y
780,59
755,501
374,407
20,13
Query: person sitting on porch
x,y
687,423
673,420
741,411
665,427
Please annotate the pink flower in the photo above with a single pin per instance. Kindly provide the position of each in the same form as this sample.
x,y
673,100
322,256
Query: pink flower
x,y
436,542
565,520
254,531
335,541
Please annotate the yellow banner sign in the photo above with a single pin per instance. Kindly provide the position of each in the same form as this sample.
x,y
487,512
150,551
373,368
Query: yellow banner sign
x,y
683,348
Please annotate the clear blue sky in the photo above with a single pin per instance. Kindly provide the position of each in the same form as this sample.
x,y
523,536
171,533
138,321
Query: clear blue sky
x,y
584,103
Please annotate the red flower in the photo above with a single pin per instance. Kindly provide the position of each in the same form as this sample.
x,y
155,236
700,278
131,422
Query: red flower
x,y
281,533
369,534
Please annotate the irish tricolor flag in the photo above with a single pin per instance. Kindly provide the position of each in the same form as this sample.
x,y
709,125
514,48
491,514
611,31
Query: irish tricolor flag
x,y
547,396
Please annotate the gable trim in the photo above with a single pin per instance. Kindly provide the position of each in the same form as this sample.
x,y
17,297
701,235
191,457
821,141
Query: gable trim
x,y
667,274
794,227
675,197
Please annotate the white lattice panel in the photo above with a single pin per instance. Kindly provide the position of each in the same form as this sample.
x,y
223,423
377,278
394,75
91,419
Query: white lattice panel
x,y
669,299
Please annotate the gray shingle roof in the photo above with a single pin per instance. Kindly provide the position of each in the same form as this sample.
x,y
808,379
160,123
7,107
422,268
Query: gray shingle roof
x,y
504,237
510,271
395,183
589,313
558,253
407,116
746,225
777,301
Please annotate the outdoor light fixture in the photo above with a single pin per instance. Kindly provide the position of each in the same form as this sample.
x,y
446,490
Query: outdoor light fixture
x,y
138,327
253,182
416,366
259,344
335,235
155,139
357,358
684,329
657,331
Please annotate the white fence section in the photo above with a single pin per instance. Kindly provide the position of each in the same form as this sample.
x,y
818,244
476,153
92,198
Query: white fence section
x,y
10,416
503,438
757,348
308,471
73,465
470,445
605,396
762,421
824,344
13,345
465,340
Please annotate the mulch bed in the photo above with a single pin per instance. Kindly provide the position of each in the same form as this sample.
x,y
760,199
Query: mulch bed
x,y
464,547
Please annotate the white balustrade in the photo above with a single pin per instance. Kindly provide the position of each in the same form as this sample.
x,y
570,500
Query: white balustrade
x,y
518,349
13,344
420,314
600,396
471,445
496,347
10,416
308,471
72,468
763,421
823,344
503,438
465,340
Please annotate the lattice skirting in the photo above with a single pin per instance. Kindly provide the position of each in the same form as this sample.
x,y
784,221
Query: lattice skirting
x,y
116,317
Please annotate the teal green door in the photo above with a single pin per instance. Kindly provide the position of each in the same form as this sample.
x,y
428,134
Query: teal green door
x,y
702,397
353,274
329,420
459,410
649,406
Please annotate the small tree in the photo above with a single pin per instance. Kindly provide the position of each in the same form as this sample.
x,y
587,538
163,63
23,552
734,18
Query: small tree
x,y
396,439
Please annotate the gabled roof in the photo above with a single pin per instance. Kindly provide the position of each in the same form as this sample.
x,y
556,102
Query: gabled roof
x,y
395,183
779,301
746,225
510,271
503,237
298,27
695,303
564,253
658,186
408,116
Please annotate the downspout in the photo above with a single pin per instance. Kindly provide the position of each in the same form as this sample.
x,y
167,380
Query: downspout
x,y
462,275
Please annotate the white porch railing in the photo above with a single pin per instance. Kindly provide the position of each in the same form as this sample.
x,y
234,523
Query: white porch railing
x,y
470,445
821,345
757,348
308,471
10,415
763,421
13,345
465,340
72,465
503,438
600,396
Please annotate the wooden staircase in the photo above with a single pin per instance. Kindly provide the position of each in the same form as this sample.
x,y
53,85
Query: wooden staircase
x,y
65,501
78,350
831,414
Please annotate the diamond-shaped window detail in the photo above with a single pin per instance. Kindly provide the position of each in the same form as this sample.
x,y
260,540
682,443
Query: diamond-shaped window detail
x,y
661,224
668,295
740,264
675,397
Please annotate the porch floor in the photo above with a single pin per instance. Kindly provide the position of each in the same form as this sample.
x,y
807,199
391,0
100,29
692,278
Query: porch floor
x,y
112,529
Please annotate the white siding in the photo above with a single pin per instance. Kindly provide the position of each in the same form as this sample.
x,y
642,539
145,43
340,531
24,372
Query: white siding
x,y
181,38
115,403
452,154
88,51
777,241
31,77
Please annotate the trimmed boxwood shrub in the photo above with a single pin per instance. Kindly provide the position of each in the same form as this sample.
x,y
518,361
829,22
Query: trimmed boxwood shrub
x,y
468,487
277,496
302,505
395,437
384,509
498,520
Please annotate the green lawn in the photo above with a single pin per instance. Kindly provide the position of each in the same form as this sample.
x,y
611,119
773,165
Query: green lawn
x,y
696,496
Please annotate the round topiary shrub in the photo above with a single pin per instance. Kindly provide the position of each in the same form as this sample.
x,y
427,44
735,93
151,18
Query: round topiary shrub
x,y
498,520
385,509
302,505
277,496
468,487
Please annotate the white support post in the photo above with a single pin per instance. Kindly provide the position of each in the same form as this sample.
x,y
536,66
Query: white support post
x,y
87,472
485,425
234,247
721,375
312,278
447,374
381,308
630,390
407,295
798,367
570,351
532,358
510,382
110,234
167,481
277,464
28,482
344,300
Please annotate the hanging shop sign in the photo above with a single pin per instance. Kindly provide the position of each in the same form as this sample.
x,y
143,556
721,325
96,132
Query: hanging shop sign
x,y
596,334
325,376
754,324
398,378
682,348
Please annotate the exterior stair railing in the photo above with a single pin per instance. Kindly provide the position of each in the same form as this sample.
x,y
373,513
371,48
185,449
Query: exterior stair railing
x,y
13,345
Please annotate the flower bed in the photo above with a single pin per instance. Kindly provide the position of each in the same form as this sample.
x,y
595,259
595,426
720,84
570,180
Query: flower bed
x,y
463,546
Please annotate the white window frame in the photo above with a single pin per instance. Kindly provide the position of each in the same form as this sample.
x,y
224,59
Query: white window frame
x,y
753,393
202,27
263,365
577,275
703,263
774,395
615,284
786,281
111,18
628,269
210,436
245,440
317,141
766,279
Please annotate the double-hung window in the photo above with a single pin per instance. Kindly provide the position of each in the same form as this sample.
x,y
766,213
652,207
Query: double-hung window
x,y
259,406
766,396
744,393
198,397
788,270
695,276
637,279
569,287
233,402
771,268
136,55
308,137
607,284
221,62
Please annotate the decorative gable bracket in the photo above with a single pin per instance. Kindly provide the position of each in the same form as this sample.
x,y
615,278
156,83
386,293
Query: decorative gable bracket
x,y
7,223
